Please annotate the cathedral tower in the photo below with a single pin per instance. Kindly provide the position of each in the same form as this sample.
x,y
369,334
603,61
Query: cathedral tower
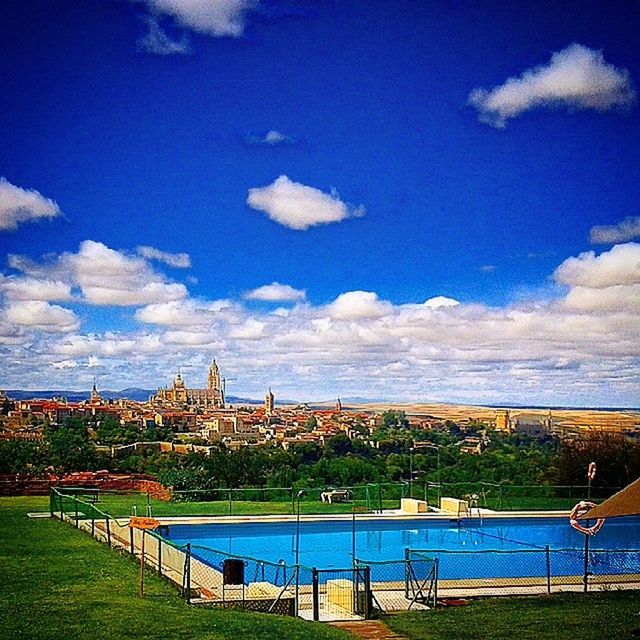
x,y
269,403
213,379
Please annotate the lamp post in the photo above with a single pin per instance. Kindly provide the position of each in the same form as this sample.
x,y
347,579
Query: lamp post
x,y
300,494
424,446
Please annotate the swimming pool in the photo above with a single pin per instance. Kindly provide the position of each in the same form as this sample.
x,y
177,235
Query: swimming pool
x,y
330,543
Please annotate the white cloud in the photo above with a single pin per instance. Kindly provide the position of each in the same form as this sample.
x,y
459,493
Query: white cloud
x,y
105,276
615,298
212,17
608,283
619,266
580,347
108,277
42,316
274,137
271,138
276,292
250,330
576,77
157,41
65,364
22,205
16,288
298,206
181,313
441,301
358,305
176,260
110,345
628,229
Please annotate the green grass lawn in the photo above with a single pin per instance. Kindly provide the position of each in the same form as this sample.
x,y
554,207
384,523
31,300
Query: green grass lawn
x,y
58,582
121,505
574,616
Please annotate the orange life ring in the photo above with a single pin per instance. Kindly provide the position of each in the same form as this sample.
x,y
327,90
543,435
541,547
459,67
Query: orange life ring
x,y
577,512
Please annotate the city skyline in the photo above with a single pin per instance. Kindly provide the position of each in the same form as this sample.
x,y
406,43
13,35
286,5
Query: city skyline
x,y
407,202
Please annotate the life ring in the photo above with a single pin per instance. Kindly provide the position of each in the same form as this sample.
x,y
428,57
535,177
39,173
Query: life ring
x,y
577,512
591,473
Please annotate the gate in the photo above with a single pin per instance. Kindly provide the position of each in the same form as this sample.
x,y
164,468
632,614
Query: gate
x,y
338,594
400,585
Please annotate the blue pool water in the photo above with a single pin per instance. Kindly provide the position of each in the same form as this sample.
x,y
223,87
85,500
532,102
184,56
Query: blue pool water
x,y
329,543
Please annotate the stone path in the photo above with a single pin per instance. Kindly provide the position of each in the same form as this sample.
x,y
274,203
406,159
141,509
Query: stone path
x,y
368,630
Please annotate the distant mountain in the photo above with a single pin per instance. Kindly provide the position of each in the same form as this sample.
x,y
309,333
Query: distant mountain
x,y
133,393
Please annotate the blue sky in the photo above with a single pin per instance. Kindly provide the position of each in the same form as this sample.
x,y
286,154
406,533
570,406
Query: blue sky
x,y
367,157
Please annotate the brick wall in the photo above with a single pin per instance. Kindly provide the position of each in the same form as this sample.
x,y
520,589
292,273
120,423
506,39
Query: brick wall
x,y
13,485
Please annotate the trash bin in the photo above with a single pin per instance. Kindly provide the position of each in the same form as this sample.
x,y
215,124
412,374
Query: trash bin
x,y
233,571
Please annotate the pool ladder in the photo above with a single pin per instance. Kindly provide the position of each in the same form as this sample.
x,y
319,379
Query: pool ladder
x,y
473,504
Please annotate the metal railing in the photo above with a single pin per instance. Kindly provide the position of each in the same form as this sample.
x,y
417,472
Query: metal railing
x,y
206,576
371,497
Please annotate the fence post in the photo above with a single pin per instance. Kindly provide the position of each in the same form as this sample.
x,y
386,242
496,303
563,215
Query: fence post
x,y
436,573
548,556
61,507
316,594
186,580
367,592
159,555
586,563
230,499
406,572
93,521
51,499
131,544
108,532
76,505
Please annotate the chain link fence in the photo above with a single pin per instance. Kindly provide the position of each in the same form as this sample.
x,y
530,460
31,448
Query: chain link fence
x,y
533,571
372,498
401,585
508,497
212,577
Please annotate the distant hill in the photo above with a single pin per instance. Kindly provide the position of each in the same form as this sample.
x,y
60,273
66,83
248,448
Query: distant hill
x,y
131,393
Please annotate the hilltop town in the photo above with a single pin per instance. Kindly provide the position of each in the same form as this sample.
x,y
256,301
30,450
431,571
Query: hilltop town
x,y
196,419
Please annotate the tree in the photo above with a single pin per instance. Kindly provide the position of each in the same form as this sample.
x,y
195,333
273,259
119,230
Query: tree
x,y
617,459
394,420
70,448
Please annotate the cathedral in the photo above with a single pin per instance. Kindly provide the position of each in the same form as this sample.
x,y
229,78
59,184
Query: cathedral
x,y
212,396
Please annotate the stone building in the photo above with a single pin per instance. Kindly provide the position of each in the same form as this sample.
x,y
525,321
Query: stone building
x,y
178,393
269,403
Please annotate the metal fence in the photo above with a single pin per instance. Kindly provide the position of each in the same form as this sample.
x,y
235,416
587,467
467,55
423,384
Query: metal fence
x,y
399,585
372,498
533,571
510,497
376,497
207,576
212,577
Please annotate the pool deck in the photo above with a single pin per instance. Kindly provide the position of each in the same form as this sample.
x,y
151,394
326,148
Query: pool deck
x,y
392,514
206,582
